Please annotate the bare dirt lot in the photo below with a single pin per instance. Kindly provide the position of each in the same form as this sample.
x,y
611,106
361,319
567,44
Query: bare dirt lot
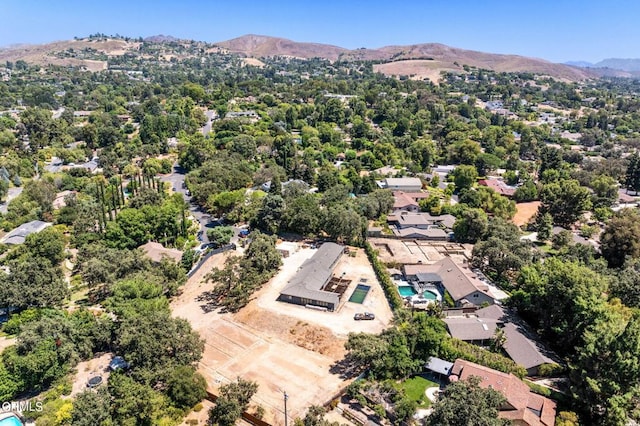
x,y
280,346
524,212
98,366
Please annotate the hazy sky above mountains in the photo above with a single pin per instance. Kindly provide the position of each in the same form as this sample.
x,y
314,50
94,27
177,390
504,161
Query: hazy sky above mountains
x,y
558,30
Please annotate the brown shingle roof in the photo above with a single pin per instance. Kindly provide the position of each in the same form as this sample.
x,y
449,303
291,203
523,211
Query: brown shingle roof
x,y
156,251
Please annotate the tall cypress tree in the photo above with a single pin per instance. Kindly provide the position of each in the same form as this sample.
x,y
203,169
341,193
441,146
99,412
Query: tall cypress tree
x,y
632,177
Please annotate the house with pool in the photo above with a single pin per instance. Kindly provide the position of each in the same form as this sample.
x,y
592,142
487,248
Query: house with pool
x,y
446,275
314,284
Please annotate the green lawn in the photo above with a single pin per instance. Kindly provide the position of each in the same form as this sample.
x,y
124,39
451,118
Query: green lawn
x,y
415,387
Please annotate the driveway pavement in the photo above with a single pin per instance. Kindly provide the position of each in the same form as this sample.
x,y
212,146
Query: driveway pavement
x,y
176,179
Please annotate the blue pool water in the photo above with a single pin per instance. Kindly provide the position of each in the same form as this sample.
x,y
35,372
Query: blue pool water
x,y
10,421
406,291
429,295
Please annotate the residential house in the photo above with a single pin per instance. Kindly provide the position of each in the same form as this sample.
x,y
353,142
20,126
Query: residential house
x,y
406,184
521,406
308,286
462,284
18,235
420,220
524,350
266,187
439,367
156,252
499,186
479,331
60,200
250,115
403,203
432,234
54,165
625,198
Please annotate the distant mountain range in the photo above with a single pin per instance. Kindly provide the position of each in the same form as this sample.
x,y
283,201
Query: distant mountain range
x,y
419,61
628,65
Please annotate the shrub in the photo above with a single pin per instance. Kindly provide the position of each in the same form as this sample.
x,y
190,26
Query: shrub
x,y
550,370
393,297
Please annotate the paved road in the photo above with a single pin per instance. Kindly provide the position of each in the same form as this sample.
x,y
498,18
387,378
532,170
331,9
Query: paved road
x,y
211,116
11,194
176,179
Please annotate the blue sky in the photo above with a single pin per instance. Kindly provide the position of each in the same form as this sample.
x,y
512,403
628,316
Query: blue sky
x,y
557,30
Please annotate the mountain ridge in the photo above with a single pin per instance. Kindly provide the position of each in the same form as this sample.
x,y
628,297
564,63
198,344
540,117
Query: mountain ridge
x,y
444,57
418,61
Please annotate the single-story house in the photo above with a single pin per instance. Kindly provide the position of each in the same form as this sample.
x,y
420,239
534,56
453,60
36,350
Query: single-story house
x,y
432,234
18,235
575,238
405,219
60,200
523,350
266,187
438,366
406,184
625,198
499,186
521,407
156,252
478,331
54,165
461,283
307,285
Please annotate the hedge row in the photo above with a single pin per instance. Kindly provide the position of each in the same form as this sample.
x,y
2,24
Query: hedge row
x,y
454,348
388,286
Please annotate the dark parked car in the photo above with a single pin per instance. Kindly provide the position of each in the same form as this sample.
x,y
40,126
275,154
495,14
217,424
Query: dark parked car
x,y
118,363
364,316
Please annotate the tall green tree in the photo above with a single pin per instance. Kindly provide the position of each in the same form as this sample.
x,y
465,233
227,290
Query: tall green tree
x,y
465,403
565,201
621,238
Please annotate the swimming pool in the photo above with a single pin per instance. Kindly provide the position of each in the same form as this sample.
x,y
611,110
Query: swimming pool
x,y
429,295
360,293
406,291
9,419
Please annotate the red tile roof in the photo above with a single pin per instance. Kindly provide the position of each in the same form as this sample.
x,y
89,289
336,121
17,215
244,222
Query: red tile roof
x,y
522,406
499,186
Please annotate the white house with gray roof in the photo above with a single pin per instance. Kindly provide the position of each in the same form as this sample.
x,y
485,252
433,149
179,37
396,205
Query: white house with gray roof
x,y
406,184
307,287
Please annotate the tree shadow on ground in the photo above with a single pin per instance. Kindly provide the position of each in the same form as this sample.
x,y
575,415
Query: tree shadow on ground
x,y
345,368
